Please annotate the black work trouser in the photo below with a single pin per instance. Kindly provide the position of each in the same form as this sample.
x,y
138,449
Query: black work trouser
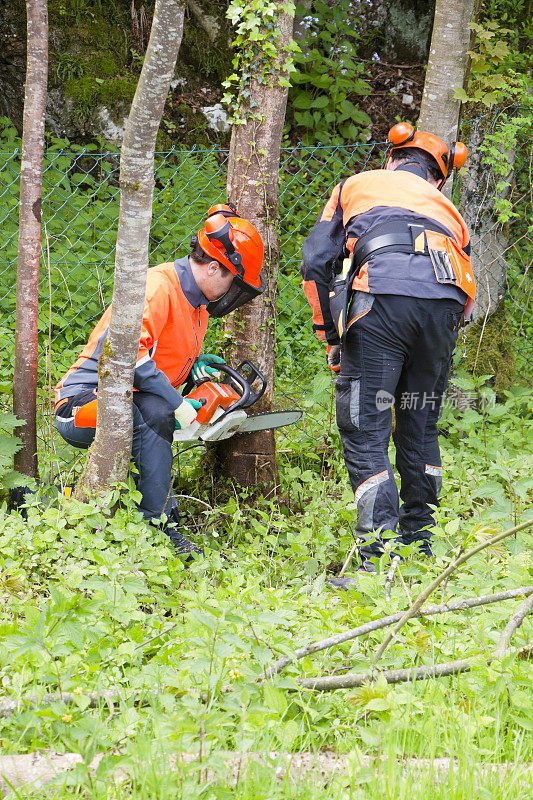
x,y
153,431
398,351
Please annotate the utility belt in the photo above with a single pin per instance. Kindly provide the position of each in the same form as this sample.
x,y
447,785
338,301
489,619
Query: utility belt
x,y
450,263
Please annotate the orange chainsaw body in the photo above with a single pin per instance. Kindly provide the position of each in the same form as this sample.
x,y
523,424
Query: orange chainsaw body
x,y
212,396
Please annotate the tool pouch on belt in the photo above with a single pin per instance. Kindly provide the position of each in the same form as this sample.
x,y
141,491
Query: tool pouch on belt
x,y
450,263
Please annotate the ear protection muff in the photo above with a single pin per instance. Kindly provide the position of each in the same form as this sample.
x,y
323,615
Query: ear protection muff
x,y
458,155
227,210
217,230
401,133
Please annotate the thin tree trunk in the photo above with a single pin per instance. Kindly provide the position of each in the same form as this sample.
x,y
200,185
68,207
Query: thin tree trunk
x,y
109,455
447,65
253,185
448,69
29,243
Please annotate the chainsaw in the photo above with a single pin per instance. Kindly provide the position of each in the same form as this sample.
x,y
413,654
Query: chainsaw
x,y
224,403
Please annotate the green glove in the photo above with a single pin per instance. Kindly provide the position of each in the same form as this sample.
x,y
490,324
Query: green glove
x,y
204,368
186,412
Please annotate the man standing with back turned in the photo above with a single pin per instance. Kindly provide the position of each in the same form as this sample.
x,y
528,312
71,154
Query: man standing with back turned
x,y
387,273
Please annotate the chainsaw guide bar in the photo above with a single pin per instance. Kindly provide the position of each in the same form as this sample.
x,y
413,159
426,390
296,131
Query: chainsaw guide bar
x,y
237,422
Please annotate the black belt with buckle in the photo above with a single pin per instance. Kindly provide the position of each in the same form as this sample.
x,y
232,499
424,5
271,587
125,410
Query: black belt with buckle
x,y
394,236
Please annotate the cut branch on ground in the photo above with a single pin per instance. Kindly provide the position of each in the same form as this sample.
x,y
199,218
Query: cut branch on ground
x,y
385,622
423,596
330,682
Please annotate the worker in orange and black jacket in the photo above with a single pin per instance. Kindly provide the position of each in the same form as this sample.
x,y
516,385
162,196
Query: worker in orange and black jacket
x,y
387,273
222,273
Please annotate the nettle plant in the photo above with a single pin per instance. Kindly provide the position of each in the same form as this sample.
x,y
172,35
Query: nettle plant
x,y
258,53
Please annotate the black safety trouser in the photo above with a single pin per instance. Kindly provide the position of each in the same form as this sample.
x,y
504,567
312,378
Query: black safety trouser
x,y
397,352
153,430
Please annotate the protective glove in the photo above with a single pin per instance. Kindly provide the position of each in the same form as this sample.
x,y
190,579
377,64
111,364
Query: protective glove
x,y
204,367
186,413
333,357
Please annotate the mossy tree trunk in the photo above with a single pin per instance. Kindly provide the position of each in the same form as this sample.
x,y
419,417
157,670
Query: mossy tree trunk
x,y
29,242
109,455
253,185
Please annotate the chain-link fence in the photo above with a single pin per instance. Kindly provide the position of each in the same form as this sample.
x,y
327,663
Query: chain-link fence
x,y
80,215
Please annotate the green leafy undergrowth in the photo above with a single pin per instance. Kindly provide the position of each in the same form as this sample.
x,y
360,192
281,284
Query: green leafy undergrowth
x,y
95,603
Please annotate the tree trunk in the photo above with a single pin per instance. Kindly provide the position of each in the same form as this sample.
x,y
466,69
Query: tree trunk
x,y
109,455
447,64
29,243
439,114
253,185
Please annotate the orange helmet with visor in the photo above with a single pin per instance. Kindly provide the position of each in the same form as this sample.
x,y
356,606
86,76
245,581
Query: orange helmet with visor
x,y
235,243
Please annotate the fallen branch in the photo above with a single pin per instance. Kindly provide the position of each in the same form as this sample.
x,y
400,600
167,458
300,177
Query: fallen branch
x,y
329,682
514,623
10,707
423,596
384,622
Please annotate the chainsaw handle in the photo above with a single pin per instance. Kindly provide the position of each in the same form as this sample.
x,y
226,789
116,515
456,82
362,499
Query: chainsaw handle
x,y
234,377
251,374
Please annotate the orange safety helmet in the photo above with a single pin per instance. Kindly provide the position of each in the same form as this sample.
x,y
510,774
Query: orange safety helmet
x,y
235,243
404,135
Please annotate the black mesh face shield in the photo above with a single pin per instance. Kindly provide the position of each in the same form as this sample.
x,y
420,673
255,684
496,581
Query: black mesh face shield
x,y
237,295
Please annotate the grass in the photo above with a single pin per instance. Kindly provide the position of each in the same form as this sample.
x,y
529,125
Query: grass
x,y
93,602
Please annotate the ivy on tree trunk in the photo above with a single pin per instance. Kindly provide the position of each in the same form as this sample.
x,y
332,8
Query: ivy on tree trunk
x,y
29,242
253,185
109,455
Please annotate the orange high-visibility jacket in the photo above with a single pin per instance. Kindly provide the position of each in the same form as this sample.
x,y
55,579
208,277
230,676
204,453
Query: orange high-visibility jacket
x,y
368,200
173,329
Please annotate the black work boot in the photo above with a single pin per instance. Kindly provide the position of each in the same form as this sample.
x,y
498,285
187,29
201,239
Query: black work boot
x,y
182,545
349,581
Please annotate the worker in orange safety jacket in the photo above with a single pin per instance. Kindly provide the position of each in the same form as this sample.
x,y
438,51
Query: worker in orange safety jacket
x,y
222,272
387,273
